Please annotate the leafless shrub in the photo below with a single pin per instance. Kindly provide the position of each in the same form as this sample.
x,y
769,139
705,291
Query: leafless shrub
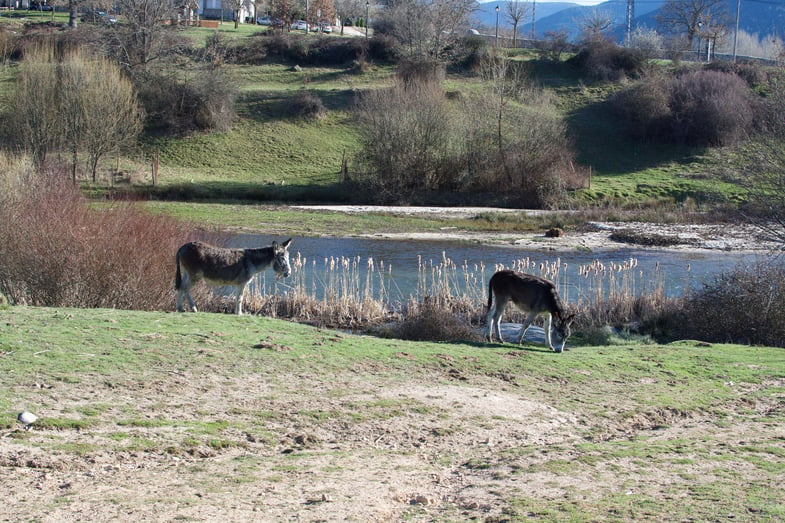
x,y
702,108
507,140
384,48
204,100
644,108
752,73
554,46
433,320
710,108
406,140
648,42
745,305
306,105
419,73
55,250
605,61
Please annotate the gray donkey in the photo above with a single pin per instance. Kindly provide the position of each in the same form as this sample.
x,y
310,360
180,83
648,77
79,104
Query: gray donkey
x,y
222,266
530,294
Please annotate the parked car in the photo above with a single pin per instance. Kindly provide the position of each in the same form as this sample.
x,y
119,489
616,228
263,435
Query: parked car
x,y
264,20
323,27
39,6
98,17
300,25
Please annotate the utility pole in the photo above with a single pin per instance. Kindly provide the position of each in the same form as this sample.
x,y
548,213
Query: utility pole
x,y
534,19
630,18
736,34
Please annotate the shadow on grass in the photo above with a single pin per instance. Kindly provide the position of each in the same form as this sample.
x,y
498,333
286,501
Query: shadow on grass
x,y
278,106
254,192
601,141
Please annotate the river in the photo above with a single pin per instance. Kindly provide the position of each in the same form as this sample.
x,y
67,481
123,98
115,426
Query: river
x,y
411,268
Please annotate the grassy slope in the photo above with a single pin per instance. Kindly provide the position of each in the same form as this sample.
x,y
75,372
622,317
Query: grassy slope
x,y
269,147
706,416
270,154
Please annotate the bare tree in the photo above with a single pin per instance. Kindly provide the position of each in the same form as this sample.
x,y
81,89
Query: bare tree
x,y
595,25
349,9
235,6
320,10
98,107
687,16
36,103
426,28
515,11
77,103
144,38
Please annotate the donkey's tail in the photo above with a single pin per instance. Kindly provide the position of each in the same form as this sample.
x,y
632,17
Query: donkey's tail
x,y
178,279
490,294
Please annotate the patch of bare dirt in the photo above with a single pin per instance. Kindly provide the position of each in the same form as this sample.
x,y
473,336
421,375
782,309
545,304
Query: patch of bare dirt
x,y
337,447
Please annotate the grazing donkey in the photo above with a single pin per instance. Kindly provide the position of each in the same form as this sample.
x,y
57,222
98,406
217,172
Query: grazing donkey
x,y
530,294
221,266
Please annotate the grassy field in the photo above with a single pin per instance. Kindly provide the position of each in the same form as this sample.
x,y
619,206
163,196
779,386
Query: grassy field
x,y
210,416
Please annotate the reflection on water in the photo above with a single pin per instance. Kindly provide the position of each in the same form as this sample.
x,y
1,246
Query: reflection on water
x,y
403,262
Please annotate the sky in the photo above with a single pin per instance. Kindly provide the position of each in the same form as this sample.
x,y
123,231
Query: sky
x,y
581,2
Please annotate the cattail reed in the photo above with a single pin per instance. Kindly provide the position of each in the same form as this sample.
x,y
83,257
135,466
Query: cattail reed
x,y
351,292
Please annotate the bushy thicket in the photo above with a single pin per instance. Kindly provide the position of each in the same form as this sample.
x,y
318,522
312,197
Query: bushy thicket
x,y
434,320
56,250
294,48
203,99
417,141
604,61
745,305
700,108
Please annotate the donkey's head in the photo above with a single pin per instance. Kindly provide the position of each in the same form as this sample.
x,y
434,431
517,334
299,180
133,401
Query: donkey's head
x,y
560,330
281,259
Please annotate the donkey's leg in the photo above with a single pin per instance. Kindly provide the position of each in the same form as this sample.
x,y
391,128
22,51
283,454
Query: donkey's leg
x,y
185,291
489,321
526,324
548,331
497,317
191,302
238,303
180,300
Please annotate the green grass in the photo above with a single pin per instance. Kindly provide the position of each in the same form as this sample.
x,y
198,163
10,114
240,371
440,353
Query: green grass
x,y
661,432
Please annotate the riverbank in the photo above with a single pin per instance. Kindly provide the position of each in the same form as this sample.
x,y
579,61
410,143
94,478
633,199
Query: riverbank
x,y
594,236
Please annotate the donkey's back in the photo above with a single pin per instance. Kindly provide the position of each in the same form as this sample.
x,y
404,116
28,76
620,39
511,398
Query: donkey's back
x,y
217,265
529,292
222,266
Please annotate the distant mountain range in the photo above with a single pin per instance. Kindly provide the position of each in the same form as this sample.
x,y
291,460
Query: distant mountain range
x,y
757,17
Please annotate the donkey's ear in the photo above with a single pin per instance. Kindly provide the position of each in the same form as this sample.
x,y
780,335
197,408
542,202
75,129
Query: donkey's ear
x,y
286,243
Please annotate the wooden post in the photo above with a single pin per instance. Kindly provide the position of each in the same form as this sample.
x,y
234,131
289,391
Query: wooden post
x,y
155,168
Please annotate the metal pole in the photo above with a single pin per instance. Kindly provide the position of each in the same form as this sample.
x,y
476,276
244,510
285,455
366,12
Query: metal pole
x,y
367,10
534,19
497,26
